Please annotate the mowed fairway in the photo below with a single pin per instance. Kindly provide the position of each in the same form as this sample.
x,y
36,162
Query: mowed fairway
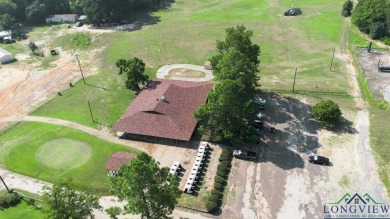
x,y
21,145
187,33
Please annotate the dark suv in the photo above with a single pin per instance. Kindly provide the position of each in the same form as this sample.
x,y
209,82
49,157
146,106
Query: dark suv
x,y
319,160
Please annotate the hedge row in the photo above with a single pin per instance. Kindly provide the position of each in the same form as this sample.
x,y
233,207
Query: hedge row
x,y
212,202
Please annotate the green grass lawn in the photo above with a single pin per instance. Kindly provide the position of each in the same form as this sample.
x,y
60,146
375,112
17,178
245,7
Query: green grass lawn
x,y
187,33
24,209
20,143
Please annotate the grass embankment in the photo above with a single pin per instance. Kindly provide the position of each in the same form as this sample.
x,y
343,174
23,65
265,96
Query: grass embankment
x,y
306,42
20,144
379,117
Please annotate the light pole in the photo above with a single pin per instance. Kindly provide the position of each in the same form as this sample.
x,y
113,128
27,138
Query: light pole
x,y
4,184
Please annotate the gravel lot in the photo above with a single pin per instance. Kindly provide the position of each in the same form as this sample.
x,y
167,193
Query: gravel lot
x,y
379,82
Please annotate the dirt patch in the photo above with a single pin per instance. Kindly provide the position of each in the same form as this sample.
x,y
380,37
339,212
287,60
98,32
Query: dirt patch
x,y
185,73
377,81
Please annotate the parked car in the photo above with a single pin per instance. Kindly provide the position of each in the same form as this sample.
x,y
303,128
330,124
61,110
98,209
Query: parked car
x,y
258,124
243,154
79,24
259,101
319,160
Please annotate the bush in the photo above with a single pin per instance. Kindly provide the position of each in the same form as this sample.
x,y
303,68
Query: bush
x,y
327,113
221,173
217,185
218,179
377,31
9,199
213,198
386,41
222,158
215,192
222,167
211,206
347,8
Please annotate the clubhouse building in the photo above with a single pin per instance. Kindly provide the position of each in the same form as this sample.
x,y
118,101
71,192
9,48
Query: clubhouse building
x,y
164,110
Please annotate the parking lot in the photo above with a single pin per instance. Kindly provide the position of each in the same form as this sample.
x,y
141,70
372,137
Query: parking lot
x,y
281,183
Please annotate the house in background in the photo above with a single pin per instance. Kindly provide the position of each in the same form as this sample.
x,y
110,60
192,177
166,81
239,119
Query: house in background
x,y
164,110
118,159
62,18
5,56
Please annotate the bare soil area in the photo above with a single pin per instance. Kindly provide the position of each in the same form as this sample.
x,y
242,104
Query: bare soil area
x,y
379,82
185,73
32,80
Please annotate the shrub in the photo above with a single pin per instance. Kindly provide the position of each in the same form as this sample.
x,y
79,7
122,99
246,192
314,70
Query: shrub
x,y
218,179
221,173
9,199
211,206
377,30
347,8
327,113
215,192
113,211
386,41
217,186
222,167
223,158
213,198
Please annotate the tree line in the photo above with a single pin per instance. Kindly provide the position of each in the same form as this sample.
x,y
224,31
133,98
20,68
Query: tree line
x,y
97,11
373,17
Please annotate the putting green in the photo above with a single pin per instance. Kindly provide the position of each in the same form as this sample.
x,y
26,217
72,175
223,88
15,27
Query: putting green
x,y
63,153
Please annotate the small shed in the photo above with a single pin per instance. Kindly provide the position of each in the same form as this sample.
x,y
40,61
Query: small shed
x,y
62,18
118,159
5,56
208,66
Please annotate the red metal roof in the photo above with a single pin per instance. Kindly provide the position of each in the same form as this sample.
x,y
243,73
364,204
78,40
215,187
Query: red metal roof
x,y
173,118
118,159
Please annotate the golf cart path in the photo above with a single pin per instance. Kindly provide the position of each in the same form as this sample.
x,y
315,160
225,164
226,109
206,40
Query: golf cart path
x,y
95,132
18,181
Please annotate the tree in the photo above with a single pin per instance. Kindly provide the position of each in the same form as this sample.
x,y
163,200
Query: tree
x,y
239,39
7,22
226,114
32,47
134,68
234,65
327,113
377,31
369,12
61,202
36,12
347,8
7,7
149,190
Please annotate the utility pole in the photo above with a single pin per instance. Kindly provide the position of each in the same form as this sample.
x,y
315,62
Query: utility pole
x,y
90,111
82,75
4,184
331,63
295,76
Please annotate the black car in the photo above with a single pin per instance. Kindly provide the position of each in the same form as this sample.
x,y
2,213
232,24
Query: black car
x,y
319,160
